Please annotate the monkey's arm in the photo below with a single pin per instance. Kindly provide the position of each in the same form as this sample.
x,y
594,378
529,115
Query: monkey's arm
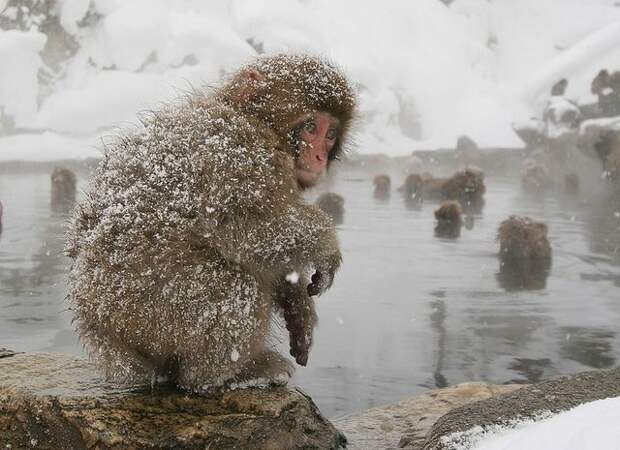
x,y
299,236
251,207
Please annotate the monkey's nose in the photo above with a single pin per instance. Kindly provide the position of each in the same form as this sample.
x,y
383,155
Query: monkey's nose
x,y
321,155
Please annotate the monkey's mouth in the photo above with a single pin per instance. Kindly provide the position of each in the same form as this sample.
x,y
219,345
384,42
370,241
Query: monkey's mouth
x,y
308,177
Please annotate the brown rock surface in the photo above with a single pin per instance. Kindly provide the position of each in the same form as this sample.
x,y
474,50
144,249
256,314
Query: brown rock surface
x,y
406,423
55,401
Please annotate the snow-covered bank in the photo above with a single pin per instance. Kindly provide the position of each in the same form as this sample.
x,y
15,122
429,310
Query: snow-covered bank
x,y
592,426
426,73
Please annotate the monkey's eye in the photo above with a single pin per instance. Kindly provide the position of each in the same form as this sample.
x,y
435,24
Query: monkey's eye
x,y
332,134
310,126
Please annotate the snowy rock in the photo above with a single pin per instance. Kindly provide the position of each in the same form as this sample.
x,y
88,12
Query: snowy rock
x,y
5,353
405,424
52,401
560,394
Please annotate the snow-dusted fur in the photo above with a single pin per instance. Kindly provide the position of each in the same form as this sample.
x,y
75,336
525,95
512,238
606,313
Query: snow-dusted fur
x,y
523,239
191,222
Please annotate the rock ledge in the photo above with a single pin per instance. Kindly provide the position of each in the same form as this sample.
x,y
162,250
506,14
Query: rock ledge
x,y
54,401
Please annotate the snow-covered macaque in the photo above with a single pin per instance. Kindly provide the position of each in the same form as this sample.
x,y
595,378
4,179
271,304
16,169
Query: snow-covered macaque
x,y
607,89
525,254
535,178
412,187
449,218
523,239
467,187
559,88
467,150
600,82
561,117
383,185
63,189
194,231
608,149
333,205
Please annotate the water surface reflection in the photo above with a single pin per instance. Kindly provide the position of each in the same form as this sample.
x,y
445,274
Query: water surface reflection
x,y
408,311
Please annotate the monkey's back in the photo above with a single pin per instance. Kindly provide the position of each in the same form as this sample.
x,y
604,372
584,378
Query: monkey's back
x,y
147,270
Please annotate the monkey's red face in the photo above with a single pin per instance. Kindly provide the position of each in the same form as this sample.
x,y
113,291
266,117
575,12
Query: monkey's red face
x,y
316,135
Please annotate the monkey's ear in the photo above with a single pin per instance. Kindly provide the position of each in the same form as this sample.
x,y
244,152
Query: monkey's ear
x,y
247,86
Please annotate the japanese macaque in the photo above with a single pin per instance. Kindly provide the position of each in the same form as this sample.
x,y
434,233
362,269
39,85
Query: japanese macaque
x,y
571,184
608,149
525,253
535,177
559,88
521,238
607,88
382,187
332,204
63,189
466,186
194,231
600,82
467,150
412,188
449,217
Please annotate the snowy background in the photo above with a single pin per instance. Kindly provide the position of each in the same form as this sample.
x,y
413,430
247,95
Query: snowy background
x,y
426,72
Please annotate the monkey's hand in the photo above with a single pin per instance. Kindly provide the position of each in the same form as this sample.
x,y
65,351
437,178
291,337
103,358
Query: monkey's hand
x,y
299,316
300,338
324,274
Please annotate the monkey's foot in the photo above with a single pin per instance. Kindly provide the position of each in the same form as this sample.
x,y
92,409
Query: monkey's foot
x,y
267,369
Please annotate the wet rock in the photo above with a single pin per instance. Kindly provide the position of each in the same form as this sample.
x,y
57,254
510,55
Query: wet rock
x,y
555,395
5,352
406,423
55,401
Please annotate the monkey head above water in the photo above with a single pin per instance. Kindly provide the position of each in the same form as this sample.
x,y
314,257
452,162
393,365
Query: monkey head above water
x,y
523,239
449,217
63,189
194,232
525,254
332,204
382,186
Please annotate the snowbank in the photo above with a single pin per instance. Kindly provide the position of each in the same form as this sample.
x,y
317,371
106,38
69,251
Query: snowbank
x,y
426,73
592,426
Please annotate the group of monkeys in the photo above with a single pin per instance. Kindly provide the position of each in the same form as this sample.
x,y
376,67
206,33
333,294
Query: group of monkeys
x,y
525,252
524,245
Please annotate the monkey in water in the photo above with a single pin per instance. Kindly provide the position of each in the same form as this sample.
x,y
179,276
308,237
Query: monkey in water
x,y
333,205
194,232
383,185
63,189
449,217
412,189
466,186
608,149
522,238
525,254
